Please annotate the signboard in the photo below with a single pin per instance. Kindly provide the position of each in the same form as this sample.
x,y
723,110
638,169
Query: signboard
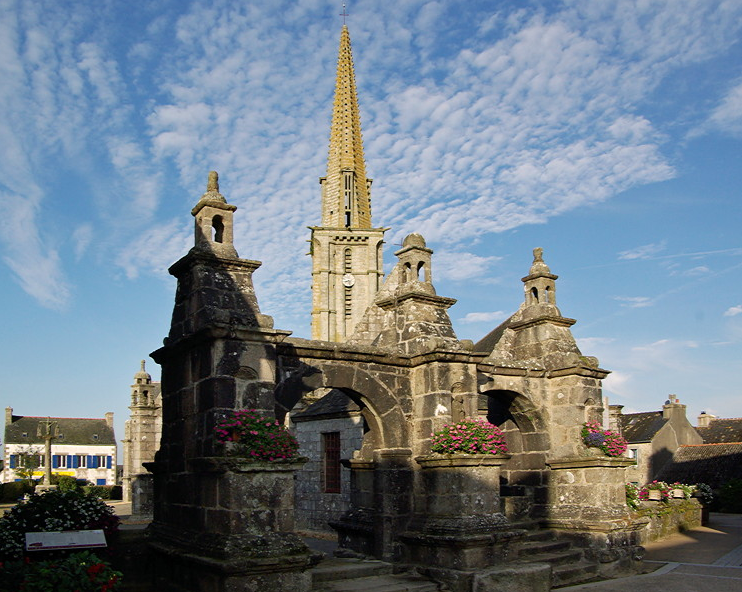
x,y
67,539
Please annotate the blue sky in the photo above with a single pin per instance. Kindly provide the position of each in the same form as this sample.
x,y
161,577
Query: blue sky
x,y
608,133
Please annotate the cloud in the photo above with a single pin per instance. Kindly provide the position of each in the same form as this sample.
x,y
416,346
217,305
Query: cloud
x,y
733,311
460,265
727,116
81,237
635,301
483,317
649,251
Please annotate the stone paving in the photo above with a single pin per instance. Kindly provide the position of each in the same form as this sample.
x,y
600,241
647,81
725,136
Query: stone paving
x,y
704,558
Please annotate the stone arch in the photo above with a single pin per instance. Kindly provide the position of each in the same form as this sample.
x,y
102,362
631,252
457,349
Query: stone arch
x,y
524,478
380,408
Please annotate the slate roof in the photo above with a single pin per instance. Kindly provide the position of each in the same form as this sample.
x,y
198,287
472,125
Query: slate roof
x,y
333,404
641,427
73,431
722,430
714,464
488,342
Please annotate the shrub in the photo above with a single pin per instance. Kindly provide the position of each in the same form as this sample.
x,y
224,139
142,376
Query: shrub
x,y
69,483
632,496
730,496
256,437
53,511
611,443
470,437
78,572
704,493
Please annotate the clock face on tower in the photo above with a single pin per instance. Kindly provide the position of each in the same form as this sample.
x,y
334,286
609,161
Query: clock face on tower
x,y
348,280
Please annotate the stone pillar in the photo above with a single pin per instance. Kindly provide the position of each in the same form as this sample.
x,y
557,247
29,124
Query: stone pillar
x,y
393,486
587,503
356,527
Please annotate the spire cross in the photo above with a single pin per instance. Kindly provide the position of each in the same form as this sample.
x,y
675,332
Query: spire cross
x,y
344,14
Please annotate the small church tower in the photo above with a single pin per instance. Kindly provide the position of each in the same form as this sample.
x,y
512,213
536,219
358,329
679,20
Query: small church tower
x,y
346,251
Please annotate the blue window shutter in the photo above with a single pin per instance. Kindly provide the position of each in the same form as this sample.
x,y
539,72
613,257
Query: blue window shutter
x,y
13,460
100,481
108,462
74,461
55,461
91,461
69,461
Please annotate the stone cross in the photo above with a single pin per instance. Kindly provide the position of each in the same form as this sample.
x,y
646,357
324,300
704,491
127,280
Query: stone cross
x,y
48,430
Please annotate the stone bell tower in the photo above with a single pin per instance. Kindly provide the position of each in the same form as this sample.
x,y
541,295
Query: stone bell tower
x,y
346,250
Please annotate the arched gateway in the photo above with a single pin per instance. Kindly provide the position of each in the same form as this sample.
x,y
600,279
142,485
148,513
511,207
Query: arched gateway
x,y
221,524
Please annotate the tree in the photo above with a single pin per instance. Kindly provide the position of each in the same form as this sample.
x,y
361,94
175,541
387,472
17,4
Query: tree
x,y
27,461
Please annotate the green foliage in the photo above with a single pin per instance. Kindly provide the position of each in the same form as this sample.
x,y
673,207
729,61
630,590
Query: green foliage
x,y
78,572
106,492
704,493
53,511
730,496
632,496
68,483
27,462
470,437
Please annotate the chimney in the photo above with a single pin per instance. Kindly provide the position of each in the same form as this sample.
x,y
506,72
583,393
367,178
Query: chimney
x,y
109,419
673,409
614,418
8,415
704,419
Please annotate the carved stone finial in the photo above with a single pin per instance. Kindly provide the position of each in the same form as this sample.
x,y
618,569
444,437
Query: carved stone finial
x,y
538,254
142,365
213,184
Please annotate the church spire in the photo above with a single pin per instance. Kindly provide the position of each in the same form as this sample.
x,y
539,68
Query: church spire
x,y
345,190
347,260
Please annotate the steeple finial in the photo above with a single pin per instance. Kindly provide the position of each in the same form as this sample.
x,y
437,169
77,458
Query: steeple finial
x,y
344,14
213,182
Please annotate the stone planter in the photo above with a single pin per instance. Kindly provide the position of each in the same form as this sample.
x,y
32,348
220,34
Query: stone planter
x,y
654,495
678,494
458,521
236,532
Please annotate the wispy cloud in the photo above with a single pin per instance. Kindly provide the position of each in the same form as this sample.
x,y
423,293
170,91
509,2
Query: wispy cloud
x,y
635,301
483,317
649,251
733,311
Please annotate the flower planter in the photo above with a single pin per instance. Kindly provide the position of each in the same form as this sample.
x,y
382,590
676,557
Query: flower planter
x,y
654,495
678,494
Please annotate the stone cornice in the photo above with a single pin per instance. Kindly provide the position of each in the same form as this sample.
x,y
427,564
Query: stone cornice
x,y
554,320
420,297
589,462
195,256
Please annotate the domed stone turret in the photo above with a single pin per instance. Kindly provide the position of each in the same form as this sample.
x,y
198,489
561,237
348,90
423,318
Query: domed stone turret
x,y
142,377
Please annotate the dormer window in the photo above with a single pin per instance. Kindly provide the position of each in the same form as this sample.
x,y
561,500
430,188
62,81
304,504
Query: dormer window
x,y
95,437
25,434
60,437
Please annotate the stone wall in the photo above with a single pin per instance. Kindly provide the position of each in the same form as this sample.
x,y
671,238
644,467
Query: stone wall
x,y
668,518
314,507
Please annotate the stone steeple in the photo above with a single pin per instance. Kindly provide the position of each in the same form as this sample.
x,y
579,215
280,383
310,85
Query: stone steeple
x,y
346,251
345,189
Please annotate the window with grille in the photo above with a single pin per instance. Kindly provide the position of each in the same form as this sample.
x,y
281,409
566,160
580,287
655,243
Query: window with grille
x,y
331,462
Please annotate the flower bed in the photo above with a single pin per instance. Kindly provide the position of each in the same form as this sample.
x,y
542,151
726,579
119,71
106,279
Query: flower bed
x,y
256,437
469,436
611,443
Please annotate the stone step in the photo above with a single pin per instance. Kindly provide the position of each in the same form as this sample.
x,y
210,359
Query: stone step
x,y
557,557
348,569
382,583
571,574
537,547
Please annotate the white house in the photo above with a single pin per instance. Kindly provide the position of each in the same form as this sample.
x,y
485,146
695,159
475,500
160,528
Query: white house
x,y
83,448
